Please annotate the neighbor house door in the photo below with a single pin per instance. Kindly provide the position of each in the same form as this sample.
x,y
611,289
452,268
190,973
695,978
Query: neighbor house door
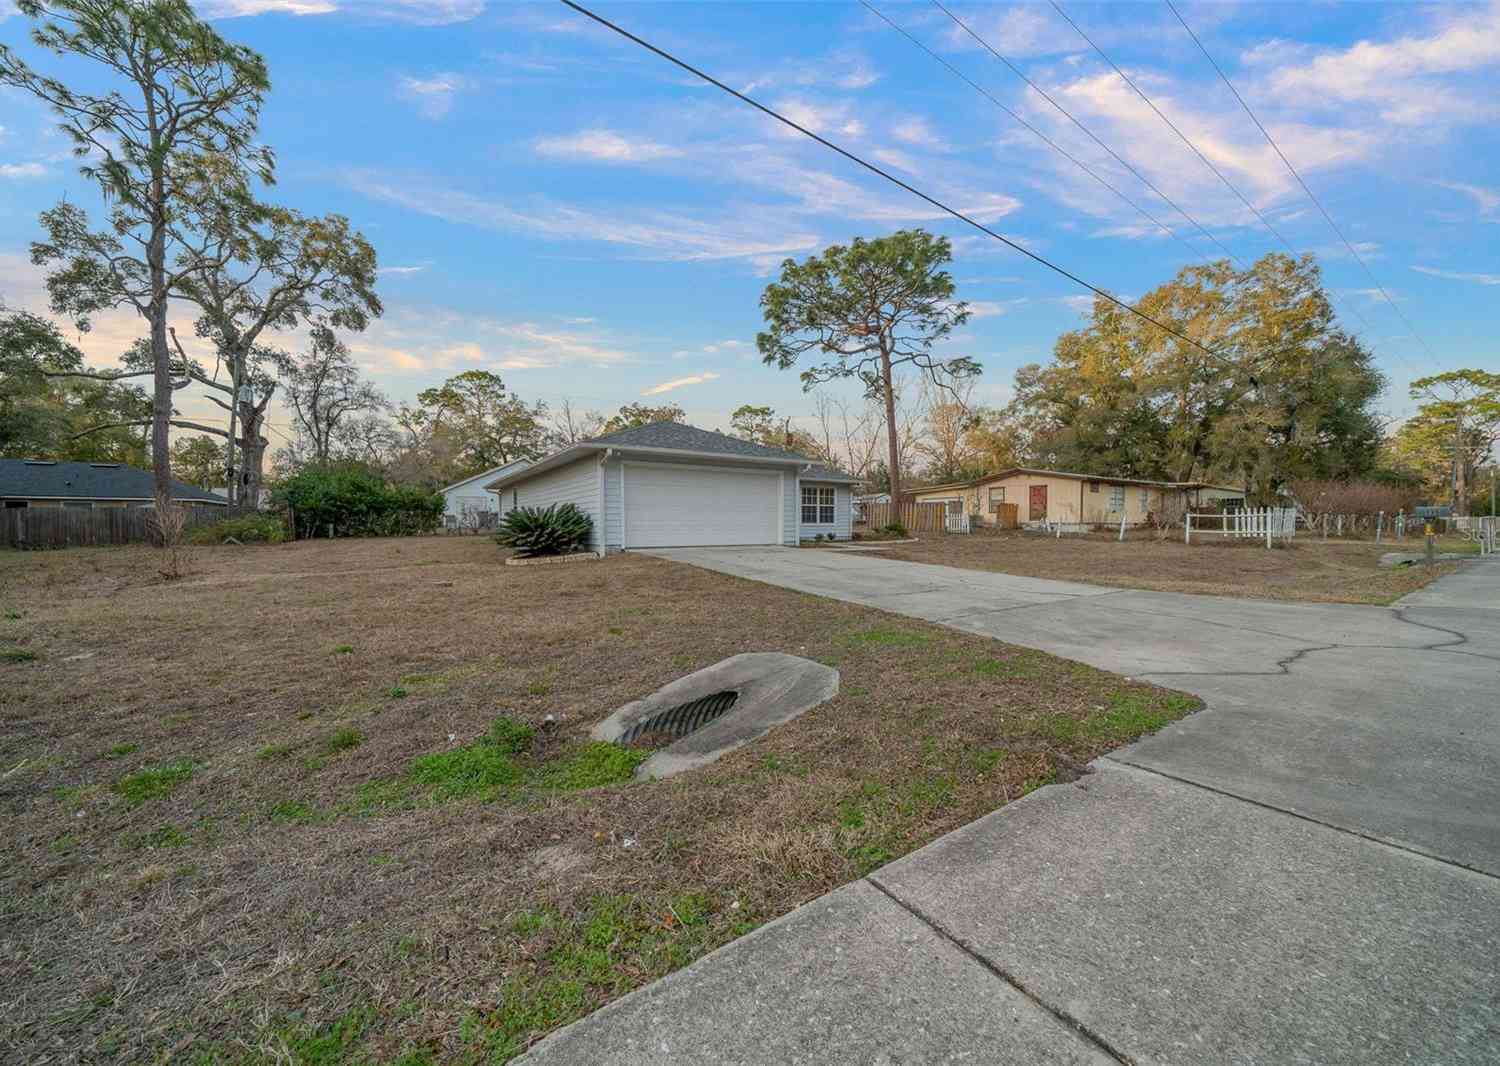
x,y
1039,503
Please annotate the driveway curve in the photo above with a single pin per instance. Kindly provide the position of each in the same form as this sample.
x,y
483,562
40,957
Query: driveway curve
x,y
1306,871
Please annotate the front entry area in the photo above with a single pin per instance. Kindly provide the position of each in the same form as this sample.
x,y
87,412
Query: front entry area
x,y
681,505
1038,503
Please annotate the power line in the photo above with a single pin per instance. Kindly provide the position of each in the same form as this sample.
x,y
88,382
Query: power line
x,y
1088,132
1047,140
710,79
1173,127
1293,171
1202,158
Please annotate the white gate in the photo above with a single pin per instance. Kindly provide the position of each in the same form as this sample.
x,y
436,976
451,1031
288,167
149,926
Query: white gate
x,y
1266,523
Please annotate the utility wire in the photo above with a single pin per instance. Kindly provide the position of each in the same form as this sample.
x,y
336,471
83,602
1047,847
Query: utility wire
x,y
1047,140
1203,158
825,142
1173,127
1293,171
1088,132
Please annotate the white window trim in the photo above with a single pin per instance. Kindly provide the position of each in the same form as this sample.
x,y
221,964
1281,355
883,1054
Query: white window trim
x,y
818,505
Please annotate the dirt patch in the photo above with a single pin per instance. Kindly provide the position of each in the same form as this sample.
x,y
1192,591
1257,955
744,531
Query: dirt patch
x,y
336,801
1308,569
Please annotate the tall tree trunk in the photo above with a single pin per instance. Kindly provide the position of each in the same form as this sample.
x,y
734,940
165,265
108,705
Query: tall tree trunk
x,y
1460,466
893,450
252,453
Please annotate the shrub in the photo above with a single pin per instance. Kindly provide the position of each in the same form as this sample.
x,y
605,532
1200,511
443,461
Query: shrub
x,y
895,529
354,502
251,529
557,530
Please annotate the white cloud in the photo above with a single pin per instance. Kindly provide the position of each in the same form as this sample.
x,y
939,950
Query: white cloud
x,y
916,131
434,95
402,269
424,340
828,118
1401,76
422,12
1487,200
1024,30
678,383
993,308
666,235
19,171
1454,275
604,146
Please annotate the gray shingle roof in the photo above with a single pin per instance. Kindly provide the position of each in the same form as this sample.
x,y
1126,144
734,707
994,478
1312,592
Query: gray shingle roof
x,y
675,435
88,481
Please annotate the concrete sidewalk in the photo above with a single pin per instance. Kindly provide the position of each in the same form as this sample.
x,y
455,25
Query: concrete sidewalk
x,y
1306,871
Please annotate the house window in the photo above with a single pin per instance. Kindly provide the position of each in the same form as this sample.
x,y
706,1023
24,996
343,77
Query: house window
x,y
997,497
1093,486
1117,497
78,505
1145,500
817,505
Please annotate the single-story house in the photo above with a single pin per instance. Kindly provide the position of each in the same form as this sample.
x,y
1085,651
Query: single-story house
x,y
1068,498
86,486
468,504
670,485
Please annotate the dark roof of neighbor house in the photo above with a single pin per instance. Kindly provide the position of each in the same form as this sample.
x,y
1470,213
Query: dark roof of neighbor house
x,y
1105,478
676,437
42,480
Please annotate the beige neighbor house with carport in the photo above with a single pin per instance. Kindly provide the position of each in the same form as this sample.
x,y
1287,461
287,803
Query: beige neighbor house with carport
x,y
1057,496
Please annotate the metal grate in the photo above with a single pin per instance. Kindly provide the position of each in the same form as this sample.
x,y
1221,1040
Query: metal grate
x,y
683,719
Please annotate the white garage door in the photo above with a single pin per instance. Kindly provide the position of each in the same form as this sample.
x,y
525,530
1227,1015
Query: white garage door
x,y
677,506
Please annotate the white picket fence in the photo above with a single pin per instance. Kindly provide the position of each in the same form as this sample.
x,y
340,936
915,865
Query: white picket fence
x,y
956,522
1266,523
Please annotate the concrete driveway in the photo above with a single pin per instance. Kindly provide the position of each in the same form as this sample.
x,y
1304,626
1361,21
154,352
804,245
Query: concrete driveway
x,y
1306,871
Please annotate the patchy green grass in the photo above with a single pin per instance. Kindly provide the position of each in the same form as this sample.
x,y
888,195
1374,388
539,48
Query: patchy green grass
x,y
346,739
888,637
119,751
343,649
166,836
155,783
18,655
429,900
294,812
495,767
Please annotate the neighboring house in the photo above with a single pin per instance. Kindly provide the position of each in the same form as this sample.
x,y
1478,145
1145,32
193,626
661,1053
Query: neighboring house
x,y
86,486
1058,496
671,485
467,504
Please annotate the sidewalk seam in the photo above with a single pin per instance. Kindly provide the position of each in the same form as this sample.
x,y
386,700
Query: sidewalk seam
x,y
1404,848
1061,1015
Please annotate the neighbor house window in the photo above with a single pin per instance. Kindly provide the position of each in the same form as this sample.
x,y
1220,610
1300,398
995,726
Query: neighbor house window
x,y
817,505
997,497
1145,500
1117,497
78,505
1093,486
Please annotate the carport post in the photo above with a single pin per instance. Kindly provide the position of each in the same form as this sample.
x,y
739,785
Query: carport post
x,y
1187,527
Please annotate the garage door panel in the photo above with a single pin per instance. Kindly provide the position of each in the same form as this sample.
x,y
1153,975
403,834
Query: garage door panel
x,y
669,506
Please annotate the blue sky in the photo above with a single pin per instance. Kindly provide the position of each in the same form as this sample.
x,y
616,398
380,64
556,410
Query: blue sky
x,y
555,204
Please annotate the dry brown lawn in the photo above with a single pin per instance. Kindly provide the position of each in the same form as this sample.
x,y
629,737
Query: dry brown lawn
x,y
1308,568
237,826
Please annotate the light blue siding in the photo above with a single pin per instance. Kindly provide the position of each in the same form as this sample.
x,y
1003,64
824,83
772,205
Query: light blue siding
x,y
577,483
841,528
614,510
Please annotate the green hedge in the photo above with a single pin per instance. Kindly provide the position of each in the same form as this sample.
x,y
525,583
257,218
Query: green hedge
x,y
354,502
251,529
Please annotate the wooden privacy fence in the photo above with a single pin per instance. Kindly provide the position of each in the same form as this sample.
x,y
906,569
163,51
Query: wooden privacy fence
x,y
916,517
1265,523
74,527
